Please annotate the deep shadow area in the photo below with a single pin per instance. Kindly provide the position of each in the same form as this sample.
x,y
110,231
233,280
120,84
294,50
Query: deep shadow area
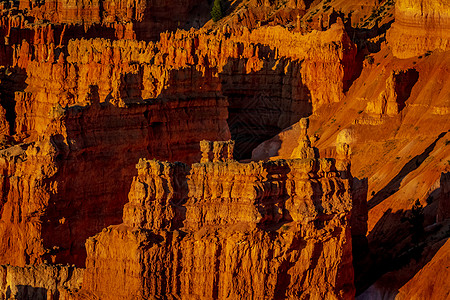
x,y
27,292
409,167
396,244
362,38
12,80
404,82
264,102
97,160
358,223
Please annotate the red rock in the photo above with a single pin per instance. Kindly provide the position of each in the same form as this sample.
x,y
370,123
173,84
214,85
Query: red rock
x,y
39,282
421,286
243,230
146,18
420,26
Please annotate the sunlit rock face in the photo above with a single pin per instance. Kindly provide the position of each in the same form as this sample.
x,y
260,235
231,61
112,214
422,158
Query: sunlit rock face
x,y
251,230
420,26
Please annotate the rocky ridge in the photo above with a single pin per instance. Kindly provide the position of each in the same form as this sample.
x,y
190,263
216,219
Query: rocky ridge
x,y
245,230
85,96
101,90
420,26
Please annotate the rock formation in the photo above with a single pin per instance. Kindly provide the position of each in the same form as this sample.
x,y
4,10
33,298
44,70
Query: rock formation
x,y
304,149
398,88
88,103
217,151
420,26
250,230
39,282
143,19
53,177
87,88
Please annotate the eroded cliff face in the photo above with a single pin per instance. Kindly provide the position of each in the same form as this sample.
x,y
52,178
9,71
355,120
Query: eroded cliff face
x,y
46,183
259,230
271,73
143,20
420,26
397,116
96,106
84,95
39,282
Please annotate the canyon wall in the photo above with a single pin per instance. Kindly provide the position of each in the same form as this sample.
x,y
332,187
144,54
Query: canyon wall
x,y
420,26
86,112
46,183
39,282
89,87
258,73
398,114
259,230
144,19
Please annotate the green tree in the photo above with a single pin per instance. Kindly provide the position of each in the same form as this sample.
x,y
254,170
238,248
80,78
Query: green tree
x,y
216,11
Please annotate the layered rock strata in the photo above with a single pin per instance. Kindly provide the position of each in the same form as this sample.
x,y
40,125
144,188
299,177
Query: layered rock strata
x,y
73,182
146,19
39,282
277,229
270,73
92,108
420,26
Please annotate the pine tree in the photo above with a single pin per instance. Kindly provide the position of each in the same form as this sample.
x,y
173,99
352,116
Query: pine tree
x,y
216,12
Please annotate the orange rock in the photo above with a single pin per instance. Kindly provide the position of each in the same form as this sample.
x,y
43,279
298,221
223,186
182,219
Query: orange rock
x,y
148,18
39,282
137,94
45,214
420,26
243,230
432,281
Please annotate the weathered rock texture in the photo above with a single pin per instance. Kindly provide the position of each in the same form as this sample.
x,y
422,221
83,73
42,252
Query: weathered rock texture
x,y
398,89
142,19
262,73
420,26
274,230
421,287
39,282
87,154
92,108
84,94
400,153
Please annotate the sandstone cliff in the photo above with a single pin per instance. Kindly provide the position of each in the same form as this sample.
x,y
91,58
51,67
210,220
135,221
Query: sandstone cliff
x,y
261,72
260,230
143,19
420,26
89,87
39,282
397,113
92,101
46,183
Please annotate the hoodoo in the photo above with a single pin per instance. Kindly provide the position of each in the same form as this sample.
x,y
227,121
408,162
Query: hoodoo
x,y
280,150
